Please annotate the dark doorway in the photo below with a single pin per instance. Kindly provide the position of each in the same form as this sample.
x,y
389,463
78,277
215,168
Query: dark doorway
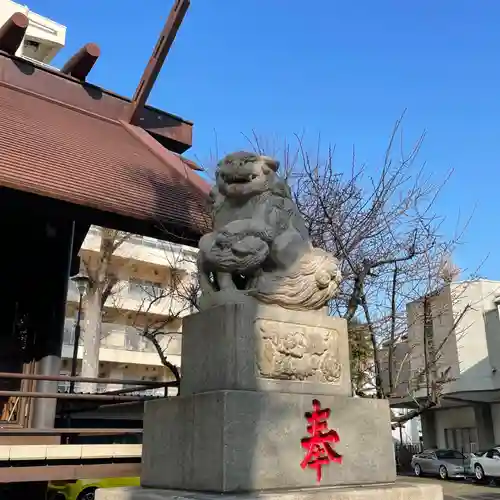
x,y
35,255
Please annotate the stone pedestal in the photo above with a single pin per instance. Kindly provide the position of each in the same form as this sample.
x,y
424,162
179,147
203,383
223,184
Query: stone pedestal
x,y
249,346
401,491
229,441
250,376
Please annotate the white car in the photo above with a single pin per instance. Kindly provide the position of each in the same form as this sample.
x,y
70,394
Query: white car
x,y
486,465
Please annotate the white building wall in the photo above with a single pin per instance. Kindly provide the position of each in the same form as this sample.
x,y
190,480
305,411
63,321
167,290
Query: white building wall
x,y
453,418
48,37
477,336
443,337
465,316
410,431
472,345
415,344
466,337
148,250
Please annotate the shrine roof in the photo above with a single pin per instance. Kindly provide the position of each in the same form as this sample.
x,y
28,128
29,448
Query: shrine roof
x,y
65,139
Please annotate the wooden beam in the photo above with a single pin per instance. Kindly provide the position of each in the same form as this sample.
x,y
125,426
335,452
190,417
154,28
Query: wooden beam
x,y
152,70
12,32
13,431
68,472
80,64
66,395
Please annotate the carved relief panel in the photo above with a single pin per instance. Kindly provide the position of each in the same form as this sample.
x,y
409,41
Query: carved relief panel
x,y
288,351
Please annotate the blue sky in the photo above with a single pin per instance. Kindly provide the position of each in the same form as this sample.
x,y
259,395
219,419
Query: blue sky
x,y
342,69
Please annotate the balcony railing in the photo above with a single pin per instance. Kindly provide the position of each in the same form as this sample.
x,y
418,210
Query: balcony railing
x,y
64,387
147,242
124,337
158,392
132,296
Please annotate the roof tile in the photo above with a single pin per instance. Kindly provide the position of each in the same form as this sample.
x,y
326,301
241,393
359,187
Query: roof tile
x,y
68,154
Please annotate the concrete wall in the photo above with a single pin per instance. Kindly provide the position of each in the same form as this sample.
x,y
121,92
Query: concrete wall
x,y
415,344
444,339
495,415
478,335
478,423
444,342
453,418
472,345
401,369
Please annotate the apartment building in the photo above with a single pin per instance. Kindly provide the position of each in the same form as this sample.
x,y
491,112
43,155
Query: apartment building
x,y
148,294
452,351
44,37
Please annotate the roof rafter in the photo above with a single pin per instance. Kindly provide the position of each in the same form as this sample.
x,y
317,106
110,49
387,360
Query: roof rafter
x,y
80,64
160,52
12,32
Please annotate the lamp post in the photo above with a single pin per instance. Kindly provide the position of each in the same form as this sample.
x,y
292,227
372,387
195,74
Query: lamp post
x,y
81,281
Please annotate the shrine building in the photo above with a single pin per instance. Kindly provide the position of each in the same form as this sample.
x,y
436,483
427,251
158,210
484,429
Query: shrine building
x,y
73,154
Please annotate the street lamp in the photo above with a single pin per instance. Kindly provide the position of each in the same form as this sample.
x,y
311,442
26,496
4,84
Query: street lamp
x,y
81,281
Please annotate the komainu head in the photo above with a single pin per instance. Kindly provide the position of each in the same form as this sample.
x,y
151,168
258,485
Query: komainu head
x,y
244,174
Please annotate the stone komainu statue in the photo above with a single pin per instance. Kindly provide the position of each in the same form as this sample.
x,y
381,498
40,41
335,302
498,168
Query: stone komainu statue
x,y
260,245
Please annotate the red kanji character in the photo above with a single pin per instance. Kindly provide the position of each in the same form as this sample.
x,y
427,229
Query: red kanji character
x,y
319,450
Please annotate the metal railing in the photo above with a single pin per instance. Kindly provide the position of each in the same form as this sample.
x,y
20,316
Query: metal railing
x,y
133,394
90,396
413,448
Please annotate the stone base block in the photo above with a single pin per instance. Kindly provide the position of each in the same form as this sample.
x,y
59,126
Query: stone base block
x,y
255,347
231,441
401,491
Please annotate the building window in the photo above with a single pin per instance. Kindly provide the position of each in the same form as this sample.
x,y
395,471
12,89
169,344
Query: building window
x,y
429,352
144,289
463,439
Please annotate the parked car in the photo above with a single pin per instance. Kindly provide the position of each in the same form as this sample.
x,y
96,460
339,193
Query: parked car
x,y
469,468
486,464
84,489
442,463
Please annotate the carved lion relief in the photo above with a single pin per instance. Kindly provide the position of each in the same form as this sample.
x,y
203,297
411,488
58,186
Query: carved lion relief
x,y
294,352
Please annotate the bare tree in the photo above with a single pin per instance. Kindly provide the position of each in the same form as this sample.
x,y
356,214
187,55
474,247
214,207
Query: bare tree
x,y
162,308
384,226
103,278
